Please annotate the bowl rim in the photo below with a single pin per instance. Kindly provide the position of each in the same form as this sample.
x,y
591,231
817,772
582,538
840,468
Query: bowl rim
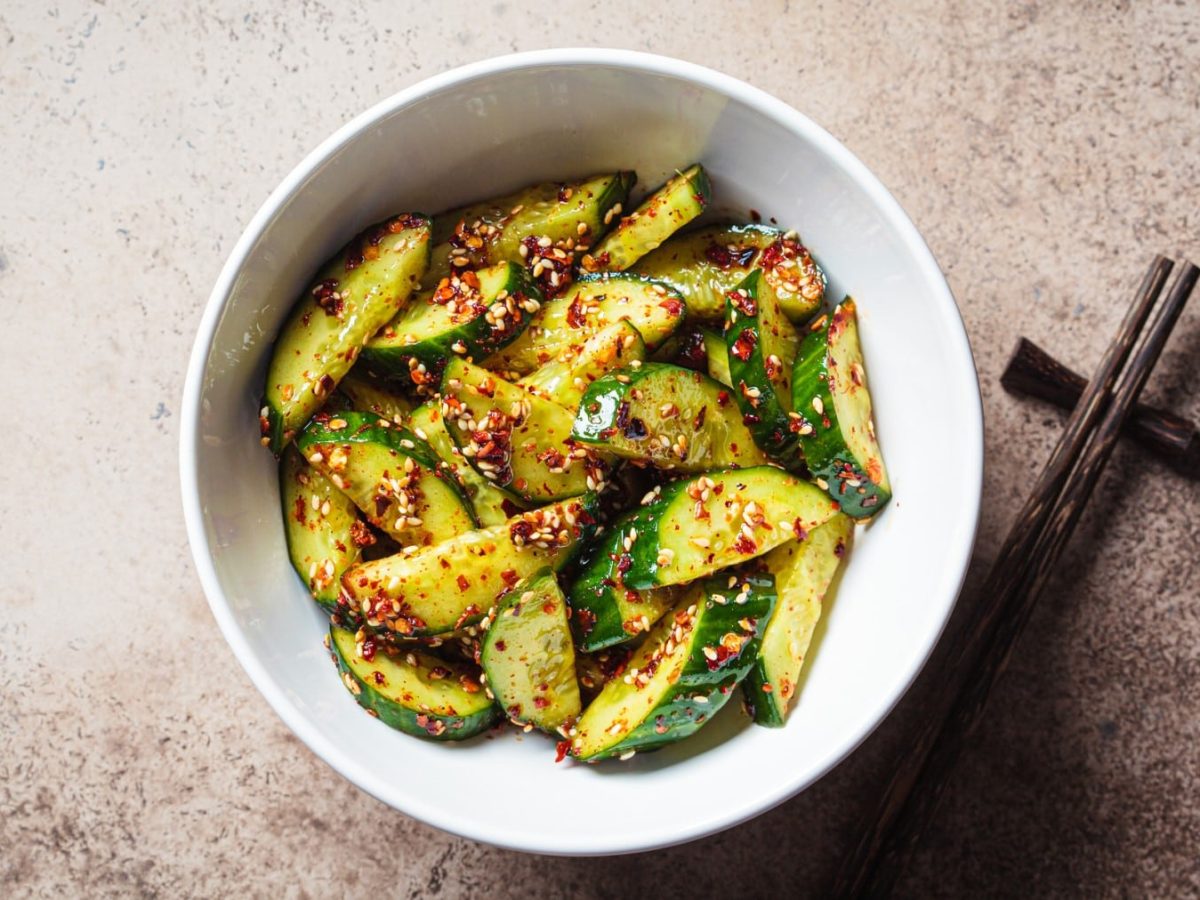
x,y
755,98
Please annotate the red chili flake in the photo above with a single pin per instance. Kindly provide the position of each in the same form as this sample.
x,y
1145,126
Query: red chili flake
x,y
586,619
378,677
510,577
368,649
324,292
381,505
301,510
691,353
549,606
577,313
743,303
726,258
745,545
722,398
462,582
673,306
624,563
698,422
521,530
799,530
560,750
633,429
839,549
541,702
723,654
405,221
361,534
744,345
501,646
551,457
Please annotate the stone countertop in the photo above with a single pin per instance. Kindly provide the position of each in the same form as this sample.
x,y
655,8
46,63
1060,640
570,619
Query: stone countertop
x,y
1045,150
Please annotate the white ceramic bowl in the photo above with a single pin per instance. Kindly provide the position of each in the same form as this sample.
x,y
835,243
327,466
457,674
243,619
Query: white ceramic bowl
x,y
491,127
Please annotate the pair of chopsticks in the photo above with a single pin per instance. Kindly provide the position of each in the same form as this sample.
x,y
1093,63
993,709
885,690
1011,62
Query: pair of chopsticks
x,y
1026,559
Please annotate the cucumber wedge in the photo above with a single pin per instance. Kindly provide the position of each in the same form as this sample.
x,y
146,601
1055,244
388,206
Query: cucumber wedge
x,y
762,350
803,570
684,672
543,223
528,658
593,302
354,295
492,506
664,212
471,314
389,473
363,395
322,528
833,415
516,440
700,525
413,691
604,610
453,584
706,264
668,416
564,380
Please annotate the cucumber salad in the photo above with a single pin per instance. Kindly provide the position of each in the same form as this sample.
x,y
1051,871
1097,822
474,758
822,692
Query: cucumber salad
x,y
585,467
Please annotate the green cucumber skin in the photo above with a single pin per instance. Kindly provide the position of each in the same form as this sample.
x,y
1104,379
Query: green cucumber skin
x,y
596,615
642,232
430,726
678,715
297,515
390,358
767,415
373,295
368,428
825,452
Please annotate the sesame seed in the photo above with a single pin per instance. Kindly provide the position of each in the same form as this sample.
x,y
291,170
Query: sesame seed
x,y
818,406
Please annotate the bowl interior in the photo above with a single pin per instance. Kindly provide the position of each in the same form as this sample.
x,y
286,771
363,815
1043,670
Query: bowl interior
x,y
492,128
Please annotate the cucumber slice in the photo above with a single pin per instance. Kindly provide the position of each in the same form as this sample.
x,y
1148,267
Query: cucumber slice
x,y
352,297
492,505
593,302
706,264
413,691
700,525
528,658
666,415
604,610
517,441
389,473
472,315
803,570
664,212
322,528
543,223
833,415
363,395
684,672
716,358
762,350
453,584
564,380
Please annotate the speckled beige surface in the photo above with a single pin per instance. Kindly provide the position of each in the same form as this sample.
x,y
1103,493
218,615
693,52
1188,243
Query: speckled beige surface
x,y
1045,150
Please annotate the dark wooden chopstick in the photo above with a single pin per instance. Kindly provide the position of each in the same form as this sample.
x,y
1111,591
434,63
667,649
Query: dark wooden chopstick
x,y
1033,371
1009,594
